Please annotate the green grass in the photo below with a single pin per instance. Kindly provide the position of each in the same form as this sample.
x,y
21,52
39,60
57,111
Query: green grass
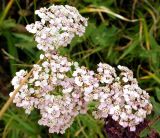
x,y
119,32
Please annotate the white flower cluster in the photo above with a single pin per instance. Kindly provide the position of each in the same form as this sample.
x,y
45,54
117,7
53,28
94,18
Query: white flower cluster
x,y
61,90
58,26
86,80
123,99
50,90
106,73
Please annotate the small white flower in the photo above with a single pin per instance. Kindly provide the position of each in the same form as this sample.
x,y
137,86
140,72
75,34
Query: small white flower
x,y
41,56
124,116
88,90
125,79
10,94
78,82
95,96
60,76
37,83
123,123
68,90
133,128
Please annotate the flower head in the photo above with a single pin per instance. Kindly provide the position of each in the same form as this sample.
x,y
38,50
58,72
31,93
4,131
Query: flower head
x,y
58,26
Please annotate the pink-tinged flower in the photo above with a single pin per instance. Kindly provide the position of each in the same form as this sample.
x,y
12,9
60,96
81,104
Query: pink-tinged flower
x,y
60,89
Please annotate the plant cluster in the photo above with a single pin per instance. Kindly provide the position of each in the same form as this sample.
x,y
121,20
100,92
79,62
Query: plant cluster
x,y
61,89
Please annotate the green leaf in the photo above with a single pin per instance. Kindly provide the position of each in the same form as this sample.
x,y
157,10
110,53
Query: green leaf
x,y
156,126
12,50
158,93
144,133
129,50
156,105
7,24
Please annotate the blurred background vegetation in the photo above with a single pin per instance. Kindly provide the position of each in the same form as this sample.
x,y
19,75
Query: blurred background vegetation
x,y
125,32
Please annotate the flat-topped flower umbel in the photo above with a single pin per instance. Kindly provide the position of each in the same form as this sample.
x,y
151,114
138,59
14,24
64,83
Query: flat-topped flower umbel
x,y
61,89
58,26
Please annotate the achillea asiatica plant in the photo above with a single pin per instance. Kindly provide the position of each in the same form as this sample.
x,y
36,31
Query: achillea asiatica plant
x,y
61,89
